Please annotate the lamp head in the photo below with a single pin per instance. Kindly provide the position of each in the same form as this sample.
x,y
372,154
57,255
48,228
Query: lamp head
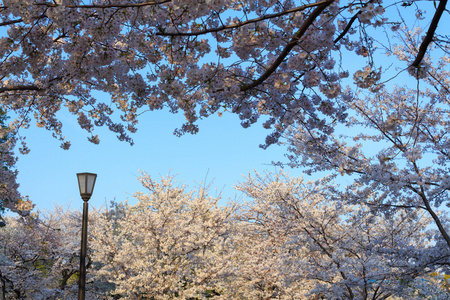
x,y
86,182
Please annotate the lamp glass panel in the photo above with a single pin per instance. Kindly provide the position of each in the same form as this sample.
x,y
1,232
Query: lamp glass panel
x,y
82,183
90,183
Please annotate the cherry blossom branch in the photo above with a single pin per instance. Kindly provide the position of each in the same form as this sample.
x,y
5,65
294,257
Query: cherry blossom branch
x,y
10,22
398,206
333,259
105,5
398,144
349,25
430,33
308,22
30,87
347,28
435,217
20,88
240,24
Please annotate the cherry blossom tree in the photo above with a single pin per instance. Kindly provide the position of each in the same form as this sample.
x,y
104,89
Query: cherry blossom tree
x,y
9,196
39,257
172,243
291,240
277,59
299,242
394,142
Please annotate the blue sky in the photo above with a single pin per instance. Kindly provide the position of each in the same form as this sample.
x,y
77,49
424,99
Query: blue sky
x,y
222,151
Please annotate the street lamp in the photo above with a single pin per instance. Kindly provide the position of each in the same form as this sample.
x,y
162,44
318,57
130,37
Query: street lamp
x,y
86,182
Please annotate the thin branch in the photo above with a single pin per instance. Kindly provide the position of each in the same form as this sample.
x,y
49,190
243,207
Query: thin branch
x,y
332,258
349,25
240,24
106,5
399,206
430,33
21,20
11,22
316,12
29,87
347,28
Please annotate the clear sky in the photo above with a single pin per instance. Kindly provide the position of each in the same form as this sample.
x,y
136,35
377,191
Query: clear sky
x,y
222,151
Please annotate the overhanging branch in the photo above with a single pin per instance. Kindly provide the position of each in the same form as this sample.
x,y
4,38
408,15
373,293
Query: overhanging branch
x,y
11,22
20,88
430,33
347,28
105,5
226,27
315,13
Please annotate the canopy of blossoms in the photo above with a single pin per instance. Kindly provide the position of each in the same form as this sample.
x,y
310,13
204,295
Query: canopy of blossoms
x,y
277,59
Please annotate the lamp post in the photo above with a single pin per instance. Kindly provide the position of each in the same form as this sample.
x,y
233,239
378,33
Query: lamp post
x,y
86,182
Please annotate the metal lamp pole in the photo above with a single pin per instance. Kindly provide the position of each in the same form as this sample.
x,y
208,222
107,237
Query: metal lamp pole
x,y
86,182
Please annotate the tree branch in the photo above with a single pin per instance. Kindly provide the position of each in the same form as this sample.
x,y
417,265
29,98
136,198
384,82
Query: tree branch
x,y
430,33
226,27
347,28
20,88
399,206
21,20
435,217
106,5
11,22
315,13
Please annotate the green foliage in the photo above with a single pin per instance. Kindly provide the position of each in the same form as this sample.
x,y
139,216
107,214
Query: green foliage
x,y
44,266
